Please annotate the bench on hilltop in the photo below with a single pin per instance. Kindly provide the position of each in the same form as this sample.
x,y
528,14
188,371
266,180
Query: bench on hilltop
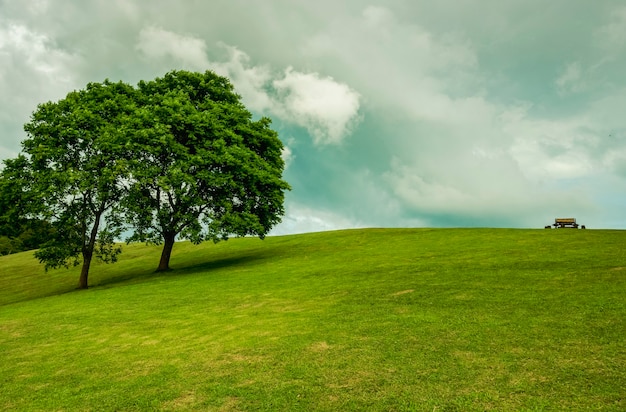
x,y
565,222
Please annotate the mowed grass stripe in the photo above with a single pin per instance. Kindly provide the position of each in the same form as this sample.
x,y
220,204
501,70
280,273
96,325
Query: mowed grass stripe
x,y
376,319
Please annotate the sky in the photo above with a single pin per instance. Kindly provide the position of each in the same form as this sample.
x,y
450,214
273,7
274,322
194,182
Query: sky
x,y
396,113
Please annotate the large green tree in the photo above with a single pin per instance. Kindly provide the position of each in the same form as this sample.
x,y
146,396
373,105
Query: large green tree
x,y
201,168
72,172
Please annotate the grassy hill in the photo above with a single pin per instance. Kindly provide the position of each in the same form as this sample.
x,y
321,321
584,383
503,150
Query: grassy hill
x,y
378,319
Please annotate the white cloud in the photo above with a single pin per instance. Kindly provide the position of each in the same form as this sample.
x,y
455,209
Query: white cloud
x,y
571,80
612,35
38,6
250,81
615,160
553,149
608,110
157,43
409,58
475,110
33,69
303,219
287,155
127,8
35,51
478,191
326,108
427,196
460,149
378,18
545,160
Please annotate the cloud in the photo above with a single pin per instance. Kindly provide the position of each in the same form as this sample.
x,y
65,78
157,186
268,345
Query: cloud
x,y
571,80
409,58
252,82
326,108
466,185
456,146
549,150
484,199
189,51
393,114
22,49
377,17
615,161
592,72
612,35
39,6
301,219
287,155
33,69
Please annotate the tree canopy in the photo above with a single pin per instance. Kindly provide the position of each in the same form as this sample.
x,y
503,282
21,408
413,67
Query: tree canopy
x,y
17,231
201,168
70,173
178,157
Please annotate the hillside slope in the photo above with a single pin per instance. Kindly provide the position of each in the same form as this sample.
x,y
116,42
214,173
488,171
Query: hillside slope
x,y
376,319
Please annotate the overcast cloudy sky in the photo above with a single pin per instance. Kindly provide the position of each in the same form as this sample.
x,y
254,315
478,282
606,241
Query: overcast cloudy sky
x,y
497,113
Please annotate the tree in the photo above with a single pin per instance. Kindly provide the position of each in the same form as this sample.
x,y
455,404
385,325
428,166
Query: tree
x,y
12,195
17,231
12,202
72,172
200,167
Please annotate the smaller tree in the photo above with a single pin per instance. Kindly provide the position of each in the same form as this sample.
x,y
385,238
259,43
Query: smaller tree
x,y
202,169
16,229
12,201
13,197
7,246
72,173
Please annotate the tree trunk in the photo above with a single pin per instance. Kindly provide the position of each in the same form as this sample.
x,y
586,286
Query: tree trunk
x,y
164,264
84,271
88,253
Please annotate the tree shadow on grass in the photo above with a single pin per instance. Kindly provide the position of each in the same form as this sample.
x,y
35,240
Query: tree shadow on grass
x,y
227,262
246,258
110,278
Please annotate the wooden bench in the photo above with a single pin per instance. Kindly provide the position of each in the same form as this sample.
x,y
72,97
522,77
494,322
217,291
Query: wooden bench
x,y
565,222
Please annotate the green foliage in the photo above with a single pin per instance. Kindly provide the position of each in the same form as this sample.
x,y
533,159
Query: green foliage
x,y
179,156
31,234
71,172
18,232
201,167
14,196
8,246
359,320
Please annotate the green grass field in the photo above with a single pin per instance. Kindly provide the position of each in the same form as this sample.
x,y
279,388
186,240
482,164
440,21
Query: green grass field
x,y
376,320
